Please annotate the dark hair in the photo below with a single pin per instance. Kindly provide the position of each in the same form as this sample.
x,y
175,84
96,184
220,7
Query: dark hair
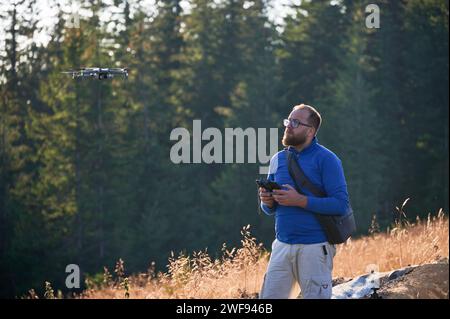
x,y
314,117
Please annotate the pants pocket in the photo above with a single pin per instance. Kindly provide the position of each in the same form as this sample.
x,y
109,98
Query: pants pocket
x,y
318,287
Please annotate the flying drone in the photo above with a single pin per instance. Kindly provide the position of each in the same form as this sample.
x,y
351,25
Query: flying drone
x,y
98,73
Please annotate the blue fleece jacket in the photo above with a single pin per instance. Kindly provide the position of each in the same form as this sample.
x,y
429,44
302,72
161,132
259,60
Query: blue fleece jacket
x,y
296,225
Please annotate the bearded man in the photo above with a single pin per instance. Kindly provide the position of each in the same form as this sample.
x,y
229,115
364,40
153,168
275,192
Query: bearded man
x,y
300,251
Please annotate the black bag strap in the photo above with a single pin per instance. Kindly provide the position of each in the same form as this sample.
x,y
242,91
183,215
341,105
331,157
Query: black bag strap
x,y
299,176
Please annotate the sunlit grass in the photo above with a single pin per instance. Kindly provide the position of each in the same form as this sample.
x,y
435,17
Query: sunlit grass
x,y
240,271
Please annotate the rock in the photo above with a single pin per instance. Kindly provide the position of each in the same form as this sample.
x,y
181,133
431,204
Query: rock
x,y
398,273
422,282
428,281
340,280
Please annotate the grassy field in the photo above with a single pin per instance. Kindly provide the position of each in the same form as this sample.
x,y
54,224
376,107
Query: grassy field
x,y
240,271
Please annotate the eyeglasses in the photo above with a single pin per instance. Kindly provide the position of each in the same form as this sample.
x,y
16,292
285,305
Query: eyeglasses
x,y
294,123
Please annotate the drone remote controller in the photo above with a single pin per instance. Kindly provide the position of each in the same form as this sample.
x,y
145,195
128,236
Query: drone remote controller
x,y
268,185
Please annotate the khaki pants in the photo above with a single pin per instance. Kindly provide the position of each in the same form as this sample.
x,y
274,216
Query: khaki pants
x,y
309,265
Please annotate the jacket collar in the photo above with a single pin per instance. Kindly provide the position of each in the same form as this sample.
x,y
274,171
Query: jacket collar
x,y
306,150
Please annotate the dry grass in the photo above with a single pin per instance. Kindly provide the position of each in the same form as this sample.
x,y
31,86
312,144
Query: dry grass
x,y
239,272
408,244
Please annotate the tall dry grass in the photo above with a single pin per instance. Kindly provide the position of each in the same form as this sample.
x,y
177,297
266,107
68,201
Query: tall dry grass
x,y
240,271
404,244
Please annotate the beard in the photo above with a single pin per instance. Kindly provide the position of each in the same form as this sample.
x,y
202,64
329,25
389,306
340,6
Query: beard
x,y
290,139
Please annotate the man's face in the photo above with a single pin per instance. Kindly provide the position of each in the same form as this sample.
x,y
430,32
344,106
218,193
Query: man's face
x,y
301,134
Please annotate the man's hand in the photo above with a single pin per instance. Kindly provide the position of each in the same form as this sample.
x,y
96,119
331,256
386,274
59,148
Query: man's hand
x,y
266,197
289,197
